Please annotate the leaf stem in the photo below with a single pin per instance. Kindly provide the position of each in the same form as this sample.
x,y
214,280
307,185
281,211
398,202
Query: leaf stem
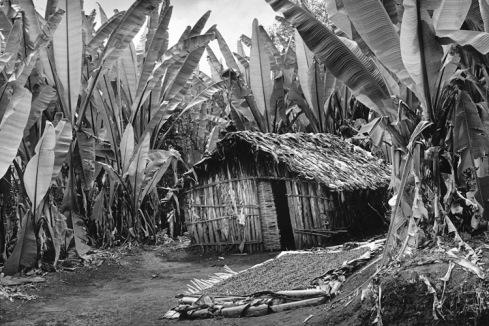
x,y
428,113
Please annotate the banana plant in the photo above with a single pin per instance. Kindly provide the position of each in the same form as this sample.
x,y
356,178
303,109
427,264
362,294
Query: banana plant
x,y
284,90
139,103
38,176
256,86
142,169
83,87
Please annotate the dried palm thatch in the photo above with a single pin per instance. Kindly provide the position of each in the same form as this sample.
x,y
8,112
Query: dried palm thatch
x,y
324,158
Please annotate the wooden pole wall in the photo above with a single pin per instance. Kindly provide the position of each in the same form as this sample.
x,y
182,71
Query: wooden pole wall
x,y
214,209
316,212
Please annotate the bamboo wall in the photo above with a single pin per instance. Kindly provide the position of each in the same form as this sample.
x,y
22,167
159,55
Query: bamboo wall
x,y
223,213
317,213
233,193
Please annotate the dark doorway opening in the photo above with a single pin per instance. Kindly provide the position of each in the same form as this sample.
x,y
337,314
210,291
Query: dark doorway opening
x,y
283,217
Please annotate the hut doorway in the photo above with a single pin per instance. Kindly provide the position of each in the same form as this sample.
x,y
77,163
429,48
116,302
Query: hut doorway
x,y
283,217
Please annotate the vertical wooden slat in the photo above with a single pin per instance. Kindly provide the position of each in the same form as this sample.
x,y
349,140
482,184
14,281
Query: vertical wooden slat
x,y
218,199
299,215
210,223
242,190
292,211
204,215
217,210
306,209
248,196
321,210
256,209
212,216
251,211
338,211
254,188
334,209
314,212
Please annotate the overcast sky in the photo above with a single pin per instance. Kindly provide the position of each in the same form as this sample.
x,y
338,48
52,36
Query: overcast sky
x,y
233,17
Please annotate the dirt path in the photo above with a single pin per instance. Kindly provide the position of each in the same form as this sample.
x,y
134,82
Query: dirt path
x,y
127,293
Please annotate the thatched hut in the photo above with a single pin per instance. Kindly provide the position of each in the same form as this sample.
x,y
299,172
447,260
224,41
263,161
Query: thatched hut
x,y
260,191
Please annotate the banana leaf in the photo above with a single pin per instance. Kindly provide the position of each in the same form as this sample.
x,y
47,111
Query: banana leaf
x,y
226,52
64,137
478,40
373,24
103,15
469,131
129,26
39,170
166,110
240,49
109,120
471,143
117,43
46,36
206,94
276,62
338,16
5,23
450,14
16,101
128,69
12,47
214,64
337,57
185,35
54,18
188,67
260,75
57,226
104,31
199,25
174,60
484,12
246,40
31,22
150,32
137,167
80,235
151,55
46,95
421,54
68,54
127,147
25,250
159,162
85,158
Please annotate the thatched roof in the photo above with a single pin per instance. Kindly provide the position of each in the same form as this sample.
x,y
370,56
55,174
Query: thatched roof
x,y
325,158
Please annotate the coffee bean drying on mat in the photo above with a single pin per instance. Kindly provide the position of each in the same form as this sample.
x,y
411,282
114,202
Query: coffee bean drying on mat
x,y
290,271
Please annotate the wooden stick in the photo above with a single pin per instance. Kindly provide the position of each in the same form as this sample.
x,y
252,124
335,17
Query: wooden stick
x,y
297,304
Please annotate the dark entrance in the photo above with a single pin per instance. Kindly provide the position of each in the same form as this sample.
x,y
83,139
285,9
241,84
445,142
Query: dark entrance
x,y
281,205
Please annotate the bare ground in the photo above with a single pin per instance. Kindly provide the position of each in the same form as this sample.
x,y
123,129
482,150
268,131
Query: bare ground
x,y
137,289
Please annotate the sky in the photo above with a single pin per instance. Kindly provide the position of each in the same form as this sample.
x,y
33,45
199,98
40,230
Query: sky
x,y
233,17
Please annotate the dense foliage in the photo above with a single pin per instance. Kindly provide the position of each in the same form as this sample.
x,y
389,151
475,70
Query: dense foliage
x,y
97,127
84,117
